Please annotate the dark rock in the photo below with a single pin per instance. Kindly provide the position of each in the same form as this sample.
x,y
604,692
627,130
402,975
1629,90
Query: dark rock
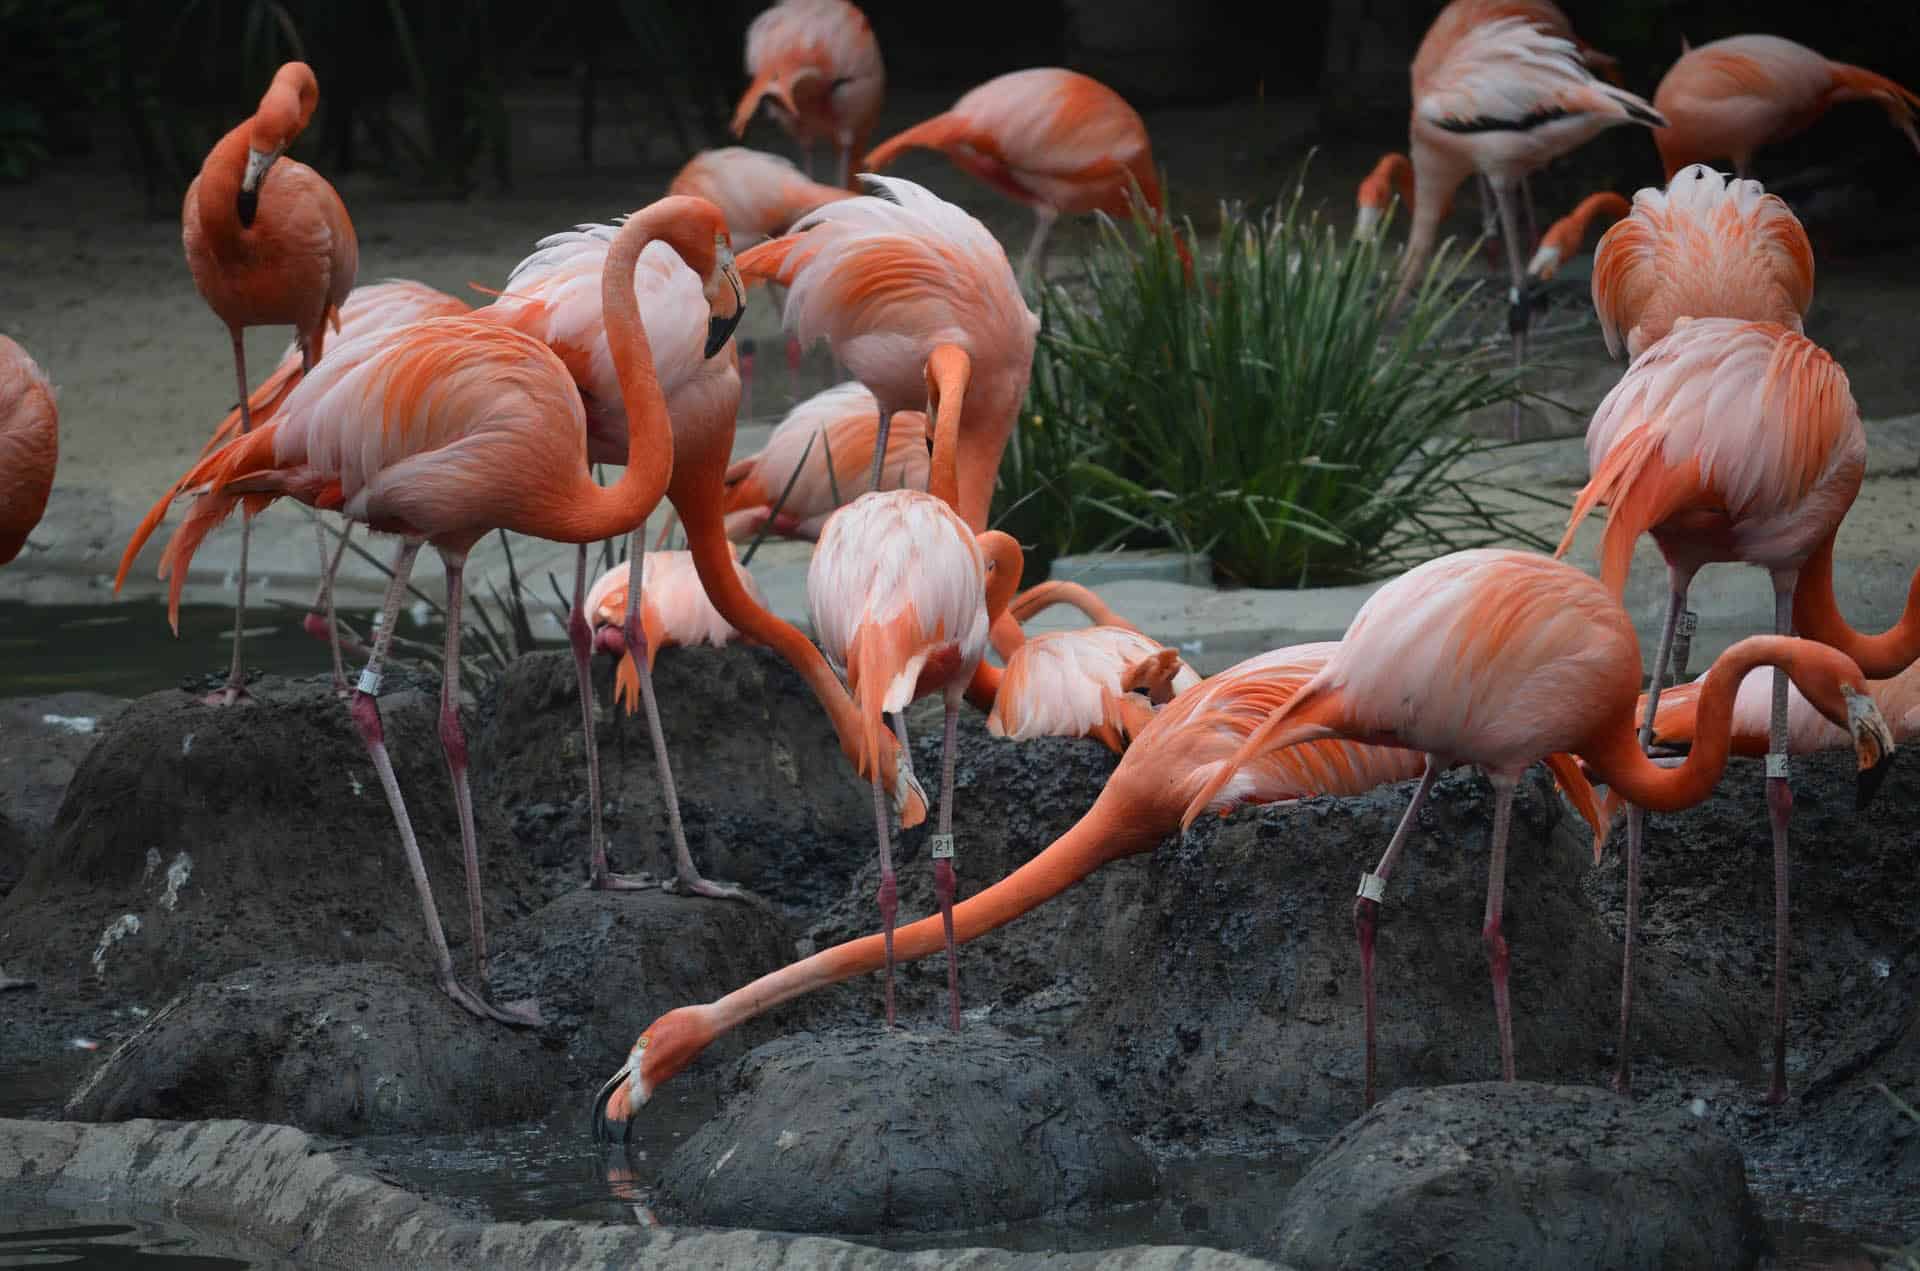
x,y
360,1048
1521,1175
604,965
194,840
766,797
870,1131
42,740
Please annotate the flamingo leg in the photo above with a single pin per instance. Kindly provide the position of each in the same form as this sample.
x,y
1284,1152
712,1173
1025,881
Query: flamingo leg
x,y
1490,933
900,735
1779,812
236,687
1489,221
365,710
889,893
1636,832
844,169
880,449
943,879
453,744
1043,219
686,880
1366,905
1519,316
1533,220
580,640
323,604
1683,644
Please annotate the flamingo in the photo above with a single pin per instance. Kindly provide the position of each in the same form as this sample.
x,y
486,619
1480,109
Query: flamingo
x,y
821,456
1036,599
1100,682
1817,614
817,66
29,447
444,431
1141,803
674,610
1501,658
1564,236
1505,99
1727,99
269,243
1705,247
376,306
1056,140
760,194
1391,177
1727,441
1677,719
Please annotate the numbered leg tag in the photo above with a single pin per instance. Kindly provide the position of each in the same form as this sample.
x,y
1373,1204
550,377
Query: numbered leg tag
x,y
1688,624
370,682
1777,765
940,846
1372,887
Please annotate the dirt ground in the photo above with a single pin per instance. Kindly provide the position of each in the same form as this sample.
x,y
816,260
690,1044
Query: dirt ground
x,y
102,298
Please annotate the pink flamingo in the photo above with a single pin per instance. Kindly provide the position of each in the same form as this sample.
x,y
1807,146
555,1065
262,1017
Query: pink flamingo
x,y
1055,140
1704,247
793,471
1099,682
444,431
1391,177
902,594
1506,99
817,66
269,243
1731,97
1501,659
29,447
1189,740
674,611
1727,441
1563,238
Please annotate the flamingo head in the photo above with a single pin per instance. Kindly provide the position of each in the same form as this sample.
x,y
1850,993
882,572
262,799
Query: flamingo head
x,y
1835,686
1873,744
282,116
669,1044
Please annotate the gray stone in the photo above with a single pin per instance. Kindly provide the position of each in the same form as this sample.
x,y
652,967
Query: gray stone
x,y
1497,1175
881,1130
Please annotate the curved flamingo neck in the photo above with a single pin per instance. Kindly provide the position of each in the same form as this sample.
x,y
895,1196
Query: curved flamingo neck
x,y
1625,768
216,192
1106,833
948,371
1816,615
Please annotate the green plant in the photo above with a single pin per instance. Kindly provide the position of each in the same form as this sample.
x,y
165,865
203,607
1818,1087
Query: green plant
x,y
1263,408
1907,1258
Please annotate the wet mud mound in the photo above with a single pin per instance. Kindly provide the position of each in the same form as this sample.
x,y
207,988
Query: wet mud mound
x,y
42,740
766,797
1522,1175
355,1048
869,1131
195,840
604,965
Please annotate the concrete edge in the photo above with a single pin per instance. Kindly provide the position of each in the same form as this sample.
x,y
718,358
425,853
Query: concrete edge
x,y
274,1187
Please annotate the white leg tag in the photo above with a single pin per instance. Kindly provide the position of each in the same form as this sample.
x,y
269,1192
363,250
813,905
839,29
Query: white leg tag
x,y
370,682
1372,887
1777,764
940,847
1688,624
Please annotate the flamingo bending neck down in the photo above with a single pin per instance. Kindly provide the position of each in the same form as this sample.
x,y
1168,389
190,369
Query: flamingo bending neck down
x,y
1563,238
816,65
1816,614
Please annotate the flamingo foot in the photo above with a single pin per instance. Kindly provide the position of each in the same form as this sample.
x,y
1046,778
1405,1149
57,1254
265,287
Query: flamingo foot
x,y
234,694
623,882
698,886
524,1013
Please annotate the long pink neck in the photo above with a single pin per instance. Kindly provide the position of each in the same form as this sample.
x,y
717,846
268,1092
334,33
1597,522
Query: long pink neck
x,y
216,192
1618,760
1816,615
1106,833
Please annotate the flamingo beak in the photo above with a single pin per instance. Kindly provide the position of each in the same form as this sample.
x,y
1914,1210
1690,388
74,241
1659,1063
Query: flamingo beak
x,y
1873,745
601,1130
719,327
247,203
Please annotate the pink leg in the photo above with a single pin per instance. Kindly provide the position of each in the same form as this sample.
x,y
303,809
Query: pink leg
x,y
880,449
328,627
794,354
1366,905
580,638
1490,933
889,893
943,879
1779,812
236,688
365,709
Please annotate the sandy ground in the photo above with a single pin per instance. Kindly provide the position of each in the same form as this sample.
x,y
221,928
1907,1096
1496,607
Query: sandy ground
x,y
102,298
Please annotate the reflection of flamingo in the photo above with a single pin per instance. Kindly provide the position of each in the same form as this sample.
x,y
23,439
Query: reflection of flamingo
x,y
1704,247
29,447
1099,682
269,244
1726,99
817,66
674,611
1563,238
1140,805
838,423
1056,140
1727,441
1499,659
442,432
377,306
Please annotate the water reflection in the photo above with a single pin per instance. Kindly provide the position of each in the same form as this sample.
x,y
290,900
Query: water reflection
x,y
111,1246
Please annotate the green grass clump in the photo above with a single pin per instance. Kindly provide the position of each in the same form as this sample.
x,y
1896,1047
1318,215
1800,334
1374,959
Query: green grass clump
x,y
1264,409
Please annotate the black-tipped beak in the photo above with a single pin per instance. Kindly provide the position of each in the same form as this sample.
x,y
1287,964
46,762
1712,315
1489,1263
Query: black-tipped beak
x,y
246,205
1869,782
601,1133
720,330
1873,744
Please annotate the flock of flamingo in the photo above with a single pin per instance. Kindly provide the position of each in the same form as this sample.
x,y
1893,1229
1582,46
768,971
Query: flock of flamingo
x,y
1730,437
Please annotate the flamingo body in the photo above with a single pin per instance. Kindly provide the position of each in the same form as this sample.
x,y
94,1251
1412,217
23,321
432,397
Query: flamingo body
x,y
1081,683
1676,721
817,66
1461,17
29,446
760,194
841,422
674,608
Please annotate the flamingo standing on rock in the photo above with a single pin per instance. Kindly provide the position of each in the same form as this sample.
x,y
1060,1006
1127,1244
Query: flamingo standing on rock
x,y
1056,140
1500,659
674,611
1727,99
821,457
817,66
1100,682
1141,804
444,431
1727,441
29,446
269,243
1563,238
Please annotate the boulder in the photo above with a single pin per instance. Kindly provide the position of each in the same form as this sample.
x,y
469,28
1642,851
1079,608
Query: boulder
x,y
42,740
604,965
194,840
766,797
1499,1175
355,1048
868,1131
